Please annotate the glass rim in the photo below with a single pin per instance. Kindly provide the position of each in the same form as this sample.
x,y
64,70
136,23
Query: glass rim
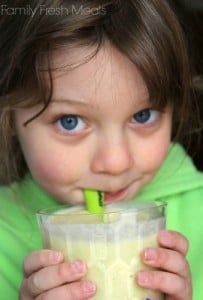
x,y
137,207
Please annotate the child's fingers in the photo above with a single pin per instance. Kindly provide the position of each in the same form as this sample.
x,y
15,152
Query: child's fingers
x,y
166,259
173,240
79,290
53,276
168,283
173,277
39,259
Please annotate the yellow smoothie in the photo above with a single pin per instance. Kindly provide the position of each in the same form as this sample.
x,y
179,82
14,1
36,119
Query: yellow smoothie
x,y
111,250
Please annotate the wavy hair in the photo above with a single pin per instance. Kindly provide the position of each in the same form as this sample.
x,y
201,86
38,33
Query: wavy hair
x,y
147,32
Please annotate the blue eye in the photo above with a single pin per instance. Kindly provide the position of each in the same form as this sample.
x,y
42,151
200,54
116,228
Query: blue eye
x,y
71,123
145,116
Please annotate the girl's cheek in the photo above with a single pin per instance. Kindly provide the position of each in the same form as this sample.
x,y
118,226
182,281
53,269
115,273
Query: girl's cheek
x,y
56,169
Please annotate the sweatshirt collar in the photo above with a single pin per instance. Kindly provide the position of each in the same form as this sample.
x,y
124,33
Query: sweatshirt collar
x,y
177,174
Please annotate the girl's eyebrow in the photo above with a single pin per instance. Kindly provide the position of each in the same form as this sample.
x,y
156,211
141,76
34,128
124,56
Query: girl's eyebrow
x,y
70,102
92,104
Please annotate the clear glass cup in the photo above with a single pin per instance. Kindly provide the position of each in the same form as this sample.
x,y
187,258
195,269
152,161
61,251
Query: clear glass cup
x,y
109,243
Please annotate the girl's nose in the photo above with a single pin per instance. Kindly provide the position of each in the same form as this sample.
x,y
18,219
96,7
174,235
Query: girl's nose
x,y
112,158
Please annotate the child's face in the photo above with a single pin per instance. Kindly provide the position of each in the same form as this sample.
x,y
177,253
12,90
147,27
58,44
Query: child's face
x,y
99,132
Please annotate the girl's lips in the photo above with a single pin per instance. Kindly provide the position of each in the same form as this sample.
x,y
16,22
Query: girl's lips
x,y
116,196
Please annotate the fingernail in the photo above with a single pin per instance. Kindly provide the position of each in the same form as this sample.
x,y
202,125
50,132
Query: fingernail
x,y
165,236
144,279
88,287
77,267
150,254
55,256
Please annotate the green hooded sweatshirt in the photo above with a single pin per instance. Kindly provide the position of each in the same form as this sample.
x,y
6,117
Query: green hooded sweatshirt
x,y
177,182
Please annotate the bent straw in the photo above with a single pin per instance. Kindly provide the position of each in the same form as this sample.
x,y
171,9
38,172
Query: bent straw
x,y
94,201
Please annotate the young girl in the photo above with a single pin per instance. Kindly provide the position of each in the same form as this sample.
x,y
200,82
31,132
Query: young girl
x,y
91,94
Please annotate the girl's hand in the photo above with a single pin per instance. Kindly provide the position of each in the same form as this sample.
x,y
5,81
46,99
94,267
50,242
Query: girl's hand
x,y
173,277
48,277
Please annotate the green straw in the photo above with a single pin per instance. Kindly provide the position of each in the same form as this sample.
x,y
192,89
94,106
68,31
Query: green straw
x,y
94,201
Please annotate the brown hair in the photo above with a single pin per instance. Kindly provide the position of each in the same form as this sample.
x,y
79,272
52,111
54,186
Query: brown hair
x,y
147,32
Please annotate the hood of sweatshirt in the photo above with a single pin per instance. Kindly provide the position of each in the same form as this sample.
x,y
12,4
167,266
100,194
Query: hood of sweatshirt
x,y
178,174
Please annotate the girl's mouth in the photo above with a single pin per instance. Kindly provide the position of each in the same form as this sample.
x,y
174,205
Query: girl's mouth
x,y
115,196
